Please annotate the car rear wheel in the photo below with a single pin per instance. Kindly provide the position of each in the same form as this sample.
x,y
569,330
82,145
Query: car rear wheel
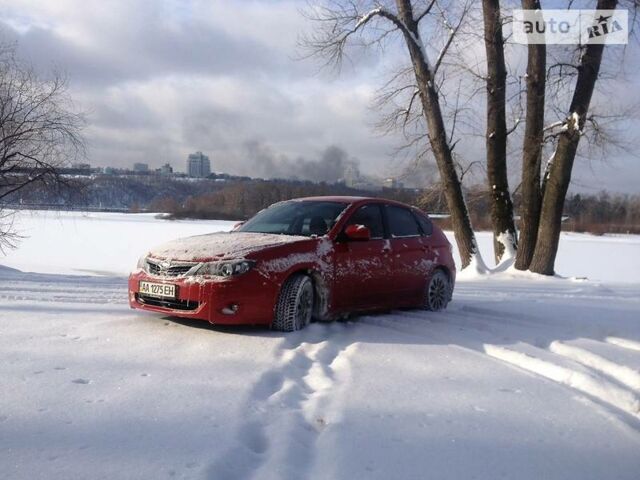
x,y
438,292
295,304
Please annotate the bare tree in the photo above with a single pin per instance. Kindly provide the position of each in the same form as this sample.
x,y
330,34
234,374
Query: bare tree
x,y
532,148
559,169
496,136
40,131
340,22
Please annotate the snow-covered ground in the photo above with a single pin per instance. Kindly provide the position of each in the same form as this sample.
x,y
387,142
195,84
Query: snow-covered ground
x,y
110,244
521,377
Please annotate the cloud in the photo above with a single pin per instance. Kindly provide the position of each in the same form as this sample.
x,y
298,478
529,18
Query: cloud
x,y
161,79
138,44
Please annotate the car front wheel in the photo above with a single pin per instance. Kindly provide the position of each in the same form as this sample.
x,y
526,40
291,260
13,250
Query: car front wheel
x,y
295,304
438,292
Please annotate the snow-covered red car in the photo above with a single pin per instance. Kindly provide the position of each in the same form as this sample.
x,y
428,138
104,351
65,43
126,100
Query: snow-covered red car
x,y
320,257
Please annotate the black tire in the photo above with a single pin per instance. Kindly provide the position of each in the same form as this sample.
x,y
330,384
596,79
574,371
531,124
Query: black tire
x,y
295,304
438,292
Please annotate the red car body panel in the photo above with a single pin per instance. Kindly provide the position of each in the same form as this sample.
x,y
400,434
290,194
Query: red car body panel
x,y
349,276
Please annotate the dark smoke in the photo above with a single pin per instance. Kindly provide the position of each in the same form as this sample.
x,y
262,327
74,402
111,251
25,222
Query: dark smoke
x,y
331,166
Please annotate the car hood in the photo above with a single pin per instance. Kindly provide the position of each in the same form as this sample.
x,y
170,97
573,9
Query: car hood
x,y
222,245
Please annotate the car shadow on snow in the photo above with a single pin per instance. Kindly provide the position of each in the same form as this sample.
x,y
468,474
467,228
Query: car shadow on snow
x,y
571,335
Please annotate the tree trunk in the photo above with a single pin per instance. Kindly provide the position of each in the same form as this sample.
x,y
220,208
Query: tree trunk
x,y
532,149
462,230
559,175
496,137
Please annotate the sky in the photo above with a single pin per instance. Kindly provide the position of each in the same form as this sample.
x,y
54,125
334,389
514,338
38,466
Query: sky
x,y
159,79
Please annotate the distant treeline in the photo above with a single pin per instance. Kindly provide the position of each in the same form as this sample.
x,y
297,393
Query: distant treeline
x,y
600,213
113,192
603,213
241,200
238,199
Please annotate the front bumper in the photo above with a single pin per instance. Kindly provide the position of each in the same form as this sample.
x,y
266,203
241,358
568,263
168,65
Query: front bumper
x,y
248,299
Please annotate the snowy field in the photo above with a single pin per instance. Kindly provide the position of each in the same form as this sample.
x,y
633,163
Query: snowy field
x,y
521,377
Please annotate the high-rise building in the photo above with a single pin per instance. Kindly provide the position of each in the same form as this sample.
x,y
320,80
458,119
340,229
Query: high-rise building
x,y
140,167
198,165
351,175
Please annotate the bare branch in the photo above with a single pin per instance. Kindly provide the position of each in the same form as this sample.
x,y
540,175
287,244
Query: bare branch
x,y
39,133
515,126
452,34
426,11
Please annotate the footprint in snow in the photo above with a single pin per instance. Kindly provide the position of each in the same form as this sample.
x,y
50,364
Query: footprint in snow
x,y
509,390
253,438
81,381
59,368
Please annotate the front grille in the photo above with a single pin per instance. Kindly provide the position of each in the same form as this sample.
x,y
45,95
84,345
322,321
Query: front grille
x,y
174,270
167,303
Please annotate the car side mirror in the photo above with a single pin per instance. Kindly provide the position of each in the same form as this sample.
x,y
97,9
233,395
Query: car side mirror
x,y
357,232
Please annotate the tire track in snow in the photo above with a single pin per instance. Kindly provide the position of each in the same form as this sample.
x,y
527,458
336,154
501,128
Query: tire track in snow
x,y
63,289
472,334
624,343
590,384
622,373
290,406
554,290
585,369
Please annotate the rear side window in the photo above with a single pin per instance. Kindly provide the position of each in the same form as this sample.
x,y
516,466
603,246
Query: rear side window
x,y
425,224
371,217
402,223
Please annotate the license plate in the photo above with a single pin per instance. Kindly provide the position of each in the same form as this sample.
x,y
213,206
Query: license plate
x,y
162,290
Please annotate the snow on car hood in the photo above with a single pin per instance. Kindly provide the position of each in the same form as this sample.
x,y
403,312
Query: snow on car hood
x,y
220,245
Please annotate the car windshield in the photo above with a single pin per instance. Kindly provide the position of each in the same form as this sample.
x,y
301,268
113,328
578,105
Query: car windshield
x,y
305,218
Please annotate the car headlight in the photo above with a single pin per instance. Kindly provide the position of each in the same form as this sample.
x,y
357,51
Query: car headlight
x,y
225,268
142,263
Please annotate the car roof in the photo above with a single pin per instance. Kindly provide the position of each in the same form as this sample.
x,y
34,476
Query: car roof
x,y
332,198
340,199
351,199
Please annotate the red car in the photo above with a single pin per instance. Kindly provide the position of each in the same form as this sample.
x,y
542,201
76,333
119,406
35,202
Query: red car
x,y
321,257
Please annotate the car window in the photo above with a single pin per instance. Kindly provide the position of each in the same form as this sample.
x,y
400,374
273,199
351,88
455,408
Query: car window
x,y
296,218
371,217
402,223
425,224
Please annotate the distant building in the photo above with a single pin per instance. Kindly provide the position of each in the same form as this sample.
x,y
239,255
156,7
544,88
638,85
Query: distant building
x,y
81,166
367,185
392,183
166,169
140,167
198,165
351,175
